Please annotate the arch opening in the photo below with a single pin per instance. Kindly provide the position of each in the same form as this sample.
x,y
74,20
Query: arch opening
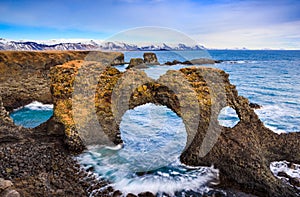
x,y
153,136
32,115
228,117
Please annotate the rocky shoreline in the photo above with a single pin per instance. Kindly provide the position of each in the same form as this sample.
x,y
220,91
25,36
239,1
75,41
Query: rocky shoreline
x,y
40,161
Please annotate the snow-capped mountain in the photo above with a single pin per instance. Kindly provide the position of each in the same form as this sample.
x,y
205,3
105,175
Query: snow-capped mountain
x,y
90,45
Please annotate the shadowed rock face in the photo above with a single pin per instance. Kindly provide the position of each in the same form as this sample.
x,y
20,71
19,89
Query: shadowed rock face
x,y
24,76
243,153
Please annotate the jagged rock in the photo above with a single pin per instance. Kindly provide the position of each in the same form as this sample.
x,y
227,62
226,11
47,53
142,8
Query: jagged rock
x,y
255,106
24,76
146,194
292,180
117,193
242,154
150,58
136,63
199,61
174,62
131,195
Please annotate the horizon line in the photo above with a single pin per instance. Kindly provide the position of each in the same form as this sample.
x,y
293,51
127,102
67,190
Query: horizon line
x,y
82,40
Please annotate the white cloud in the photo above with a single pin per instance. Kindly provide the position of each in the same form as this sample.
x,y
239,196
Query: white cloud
x,y
232,23
272,36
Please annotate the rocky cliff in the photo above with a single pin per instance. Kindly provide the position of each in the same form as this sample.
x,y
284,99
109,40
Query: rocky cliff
x,y
24,76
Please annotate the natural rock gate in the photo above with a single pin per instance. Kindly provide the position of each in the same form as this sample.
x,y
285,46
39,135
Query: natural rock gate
x,y
243,153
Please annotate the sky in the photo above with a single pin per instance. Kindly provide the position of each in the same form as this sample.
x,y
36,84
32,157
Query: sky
x,y
254,24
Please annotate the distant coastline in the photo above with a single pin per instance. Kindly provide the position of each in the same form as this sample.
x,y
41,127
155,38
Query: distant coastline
x,y
67,45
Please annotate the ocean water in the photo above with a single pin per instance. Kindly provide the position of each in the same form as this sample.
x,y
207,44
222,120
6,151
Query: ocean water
x,y
32,115
268,78
154,136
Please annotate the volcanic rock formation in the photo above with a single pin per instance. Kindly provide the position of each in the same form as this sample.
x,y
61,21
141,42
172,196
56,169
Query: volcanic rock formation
x,y
90,98
243,153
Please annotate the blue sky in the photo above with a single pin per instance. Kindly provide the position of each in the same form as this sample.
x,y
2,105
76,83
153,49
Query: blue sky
x,y
215,24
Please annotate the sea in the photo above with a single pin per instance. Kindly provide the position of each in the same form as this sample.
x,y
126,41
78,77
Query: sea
x,y
154,136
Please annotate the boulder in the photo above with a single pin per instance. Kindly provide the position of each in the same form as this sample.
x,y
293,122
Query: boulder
x,y
4,184
150,58
136,63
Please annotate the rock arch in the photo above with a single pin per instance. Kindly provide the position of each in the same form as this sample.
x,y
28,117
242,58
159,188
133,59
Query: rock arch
x,y
243,153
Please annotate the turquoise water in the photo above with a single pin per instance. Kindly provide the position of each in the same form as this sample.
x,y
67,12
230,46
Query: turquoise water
x,y
154,136
32,115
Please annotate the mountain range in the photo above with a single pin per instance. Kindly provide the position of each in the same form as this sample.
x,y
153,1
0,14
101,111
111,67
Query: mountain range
x,y
92,45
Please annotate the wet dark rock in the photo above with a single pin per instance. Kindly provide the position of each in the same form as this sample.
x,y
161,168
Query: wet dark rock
x,y
255,106
117,193
283,174
146,194
174,62
131,195
295,181
199,61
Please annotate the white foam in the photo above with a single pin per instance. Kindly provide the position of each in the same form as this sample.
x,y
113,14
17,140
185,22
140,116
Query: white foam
x,y
282,166
154,136
93,147
35,105
239,62
163,182
274,116
274,129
